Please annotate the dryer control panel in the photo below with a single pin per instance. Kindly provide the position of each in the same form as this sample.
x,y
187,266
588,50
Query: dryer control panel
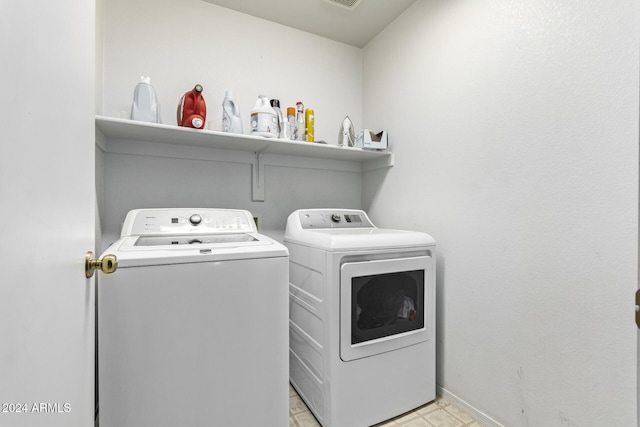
x,y
185,221
334,218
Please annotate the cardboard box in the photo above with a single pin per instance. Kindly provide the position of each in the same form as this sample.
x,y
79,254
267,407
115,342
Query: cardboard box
x,y
372,141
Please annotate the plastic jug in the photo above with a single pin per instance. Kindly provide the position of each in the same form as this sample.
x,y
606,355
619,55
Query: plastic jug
x,y
192,110
231,121
264,120
145,106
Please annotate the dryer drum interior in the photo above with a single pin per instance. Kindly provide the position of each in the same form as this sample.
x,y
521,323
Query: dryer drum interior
x,y
385,305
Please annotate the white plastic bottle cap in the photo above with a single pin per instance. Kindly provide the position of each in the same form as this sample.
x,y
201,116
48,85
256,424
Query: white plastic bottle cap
x,y
145,79
196,122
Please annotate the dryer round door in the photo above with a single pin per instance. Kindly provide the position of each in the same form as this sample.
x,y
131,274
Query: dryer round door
x,y
385,305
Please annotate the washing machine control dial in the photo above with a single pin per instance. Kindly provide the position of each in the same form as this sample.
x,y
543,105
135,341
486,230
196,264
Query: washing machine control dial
x,y
335,217
195,219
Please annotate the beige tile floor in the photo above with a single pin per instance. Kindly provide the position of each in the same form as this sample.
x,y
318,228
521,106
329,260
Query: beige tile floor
x,y
439,413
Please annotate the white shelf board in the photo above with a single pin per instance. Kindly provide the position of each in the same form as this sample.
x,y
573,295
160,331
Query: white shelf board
x,y
142,131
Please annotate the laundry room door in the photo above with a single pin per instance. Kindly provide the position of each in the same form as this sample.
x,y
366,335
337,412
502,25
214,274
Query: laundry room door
x,y
47,213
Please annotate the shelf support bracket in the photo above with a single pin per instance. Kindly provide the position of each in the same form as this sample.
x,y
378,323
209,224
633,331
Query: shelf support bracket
x,y
257,178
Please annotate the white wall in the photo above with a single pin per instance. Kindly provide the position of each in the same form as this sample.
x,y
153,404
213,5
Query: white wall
x,y
148,181
183,42
515,132
180,43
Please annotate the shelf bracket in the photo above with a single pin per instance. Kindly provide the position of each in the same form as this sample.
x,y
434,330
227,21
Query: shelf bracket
x,y
257,178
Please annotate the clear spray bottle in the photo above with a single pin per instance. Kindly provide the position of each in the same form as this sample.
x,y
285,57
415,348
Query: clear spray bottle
x,y
300,122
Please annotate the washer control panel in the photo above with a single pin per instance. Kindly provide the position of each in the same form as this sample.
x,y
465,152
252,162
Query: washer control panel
x,y
158,222
333,218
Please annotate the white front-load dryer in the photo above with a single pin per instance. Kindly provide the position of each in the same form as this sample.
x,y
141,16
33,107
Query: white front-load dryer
x,y
192,326
361,317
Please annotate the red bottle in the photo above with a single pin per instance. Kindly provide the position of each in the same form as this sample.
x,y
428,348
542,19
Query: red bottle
x,y
192,110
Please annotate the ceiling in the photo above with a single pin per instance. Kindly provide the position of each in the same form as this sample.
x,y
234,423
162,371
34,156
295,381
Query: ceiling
x,y
354,27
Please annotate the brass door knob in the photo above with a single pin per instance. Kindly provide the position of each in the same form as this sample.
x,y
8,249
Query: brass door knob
x,y
108,264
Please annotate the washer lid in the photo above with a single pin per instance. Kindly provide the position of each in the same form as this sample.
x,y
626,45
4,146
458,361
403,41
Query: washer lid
x,y
194,239
162,250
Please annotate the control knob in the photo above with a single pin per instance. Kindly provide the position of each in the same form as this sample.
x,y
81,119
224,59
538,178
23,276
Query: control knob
x,y
195,219
335,217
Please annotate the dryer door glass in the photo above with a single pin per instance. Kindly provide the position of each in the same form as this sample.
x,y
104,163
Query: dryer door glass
x,y
385,305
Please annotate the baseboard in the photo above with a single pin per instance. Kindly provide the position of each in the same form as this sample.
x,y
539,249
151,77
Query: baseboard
x,y
483,418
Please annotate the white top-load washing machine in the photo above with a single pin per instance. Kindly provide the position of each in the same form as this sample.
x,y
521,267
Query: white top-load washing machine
x,y
362,317
192,327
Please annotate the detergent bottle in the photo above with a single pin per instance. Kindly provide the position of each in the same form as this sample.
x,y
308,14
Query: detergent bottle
x,y
145,106
231,121
264,120
192,110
